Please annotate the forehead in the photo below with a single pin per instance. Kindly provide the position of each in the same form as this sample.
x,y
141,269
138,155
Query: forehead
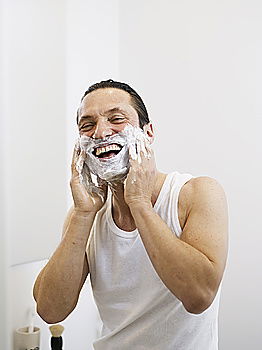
x,y
103,99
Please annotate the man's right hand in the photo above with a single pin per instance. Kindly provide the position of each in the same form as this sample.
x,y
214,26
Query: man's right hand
x,y
86,200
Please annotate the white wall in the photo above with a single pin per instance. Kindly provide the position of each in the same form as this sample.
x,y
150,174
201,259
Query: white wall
x,y
35,127
198,66
34,144
52,51
3,240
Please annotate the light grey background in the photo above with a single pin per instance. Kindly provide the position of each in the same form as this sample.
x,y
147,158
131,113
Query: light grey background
x,y
197,65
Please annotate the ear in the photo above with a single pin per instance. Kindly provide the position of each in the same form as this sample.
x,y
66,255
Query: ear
x,y
149,131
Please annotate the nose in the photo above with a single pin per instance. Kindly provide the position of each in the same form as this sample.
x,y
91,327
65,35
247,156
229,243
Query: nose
x,y
102,130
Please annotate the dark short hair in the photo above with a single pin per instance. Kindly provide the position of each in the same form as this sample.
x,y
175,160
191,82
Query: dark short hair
x,y
136,100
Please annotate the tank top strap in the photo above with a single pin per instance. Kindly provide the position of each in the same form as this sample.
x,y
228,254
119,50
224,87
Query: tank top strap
x,y
179,180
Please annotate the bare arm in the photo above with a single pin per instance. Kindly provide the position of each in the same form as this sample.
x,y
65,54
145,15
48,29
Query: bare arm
x,y
65,227
190,266
58,285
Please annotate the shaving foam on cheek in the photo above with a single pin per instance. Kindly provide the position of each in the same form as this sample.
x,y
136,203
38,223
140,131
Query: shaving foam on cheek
x,y
114,169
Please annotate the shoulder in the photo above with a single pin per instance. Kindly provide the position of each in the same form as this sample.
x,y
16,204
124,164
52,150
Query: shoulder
x,y
201,189
206,225
203,184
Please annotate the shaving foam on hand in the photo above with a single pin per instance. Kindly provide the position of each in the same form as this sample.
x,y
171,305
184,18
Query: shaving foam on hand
x,y
85,177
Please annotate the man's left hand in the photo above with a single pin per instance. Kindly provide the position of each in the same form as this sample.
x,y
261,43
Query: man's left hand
x,y
140,181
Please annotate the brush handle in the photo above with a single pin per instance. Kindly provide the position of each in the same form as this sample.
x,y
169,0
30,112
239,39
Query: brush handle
x,y
56,343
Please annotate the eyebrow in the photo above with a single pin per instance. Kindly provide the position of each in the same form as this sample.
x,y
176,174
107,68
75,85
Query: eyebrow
x,y
112,110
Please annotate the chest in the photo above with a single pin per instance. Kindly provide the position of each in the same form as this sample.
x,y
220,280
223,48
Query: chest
x,y
127,223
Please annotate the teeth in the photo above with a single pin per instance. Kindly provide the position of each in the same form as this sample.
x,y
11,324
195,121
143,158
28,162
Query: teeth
x,y
108,148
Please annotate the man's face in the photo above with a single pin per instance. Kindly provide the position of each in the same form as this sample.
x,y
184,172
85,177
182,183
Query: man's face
x,y
109,130
105,112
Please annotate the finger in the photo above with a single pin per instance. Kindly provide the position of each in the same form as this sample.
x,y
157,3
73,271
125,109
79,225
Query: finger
x,y
87,173
138,145
77,147
82,155
74,160
75,154
132,152
103,185
77,162
146,149
143,151
143,147
132,158
100,181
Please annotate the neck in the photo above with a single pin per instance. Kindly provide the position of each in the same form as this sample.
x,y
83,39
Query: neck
x,y
120,210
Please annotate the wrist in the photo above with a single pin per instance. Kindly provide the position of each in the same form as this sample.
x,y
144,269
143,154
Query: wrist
x,y
139,205
82,220
79,227
80,213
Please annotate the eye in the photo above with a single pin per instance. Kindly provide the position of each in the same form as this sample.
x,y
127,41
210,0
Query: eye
x,y
86,127
117,119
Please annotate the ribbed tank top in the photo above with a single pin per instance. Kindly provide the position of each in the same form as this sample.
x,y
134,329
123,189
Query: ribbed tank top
x,y
137,310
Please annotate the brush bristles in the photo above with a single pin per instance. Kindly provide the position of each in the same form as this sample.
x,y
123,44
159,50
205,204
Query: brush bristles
x,y
56,330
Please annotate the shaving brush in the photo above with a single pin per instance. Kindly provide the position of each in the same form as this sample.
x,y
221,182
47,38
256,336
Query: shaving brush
x,y
56,340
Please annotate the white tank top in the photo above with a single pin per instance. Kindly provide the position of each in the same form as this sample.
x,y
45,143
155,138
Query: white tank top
x,y
137,310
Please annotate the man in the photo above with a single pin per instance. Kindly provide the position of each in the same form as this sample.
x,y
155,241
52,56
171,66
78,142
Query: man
x,y
155,244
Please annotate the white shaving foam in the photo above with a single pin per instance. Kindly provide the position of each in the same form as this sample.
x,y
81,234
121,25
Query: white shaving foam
x,y
132,139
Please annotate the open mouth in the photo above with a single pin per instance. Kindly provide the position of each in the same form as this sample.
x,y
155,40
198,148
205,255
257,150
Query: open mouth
x,y
107,151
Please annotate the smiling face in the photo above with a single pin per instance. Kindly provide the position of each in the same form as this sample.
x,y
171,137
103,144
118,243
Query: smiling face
x,y
104,113
108,127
